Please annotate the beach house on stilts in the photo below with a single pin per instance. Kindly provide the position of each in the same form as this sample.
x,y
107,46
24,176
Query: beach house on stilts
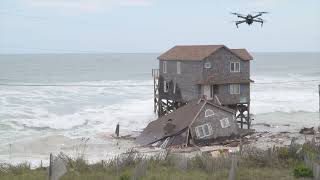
x,y
214,74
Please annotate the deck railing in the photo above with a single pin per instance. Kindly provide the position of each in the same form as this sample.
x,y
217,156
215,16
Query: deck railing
x,y
155,73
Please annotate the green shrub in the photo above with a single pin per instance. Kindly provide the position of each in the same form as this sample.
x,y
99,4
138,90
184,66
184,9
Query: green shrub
x,y
124,177
302,171
19,169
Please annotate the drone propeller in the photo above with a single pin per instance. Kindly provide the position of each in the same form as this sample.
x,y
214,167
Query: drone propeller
x,y
261,12
237,14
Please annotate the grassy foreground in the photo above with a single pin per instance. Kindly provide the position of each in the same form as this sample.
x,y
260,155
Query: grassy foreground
x,y
276,163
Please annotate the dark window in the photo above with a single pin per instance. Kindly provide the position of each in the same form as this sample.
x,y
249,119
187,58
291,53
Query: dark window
x,y
235,67
165,86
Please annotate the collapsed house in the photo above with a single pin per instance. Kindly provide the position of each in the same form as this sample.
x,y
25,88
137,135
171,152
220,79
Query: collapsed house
x,y
190,72
200,122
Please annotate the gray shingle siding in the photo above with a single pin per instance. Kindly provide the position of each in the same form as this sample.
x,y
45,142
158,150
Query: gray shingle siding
x,y
220,66
226,98
214,121
190,72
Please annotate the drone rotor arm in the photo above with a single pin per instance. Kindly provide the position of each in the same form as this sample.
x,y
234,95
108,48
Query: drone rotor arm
x,y
240,22
239,15
258,15
259,21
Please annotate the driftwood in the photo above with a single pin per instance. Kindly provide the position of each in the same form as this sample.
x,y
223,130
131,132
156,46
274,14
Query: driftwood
x,y
125,137
307,131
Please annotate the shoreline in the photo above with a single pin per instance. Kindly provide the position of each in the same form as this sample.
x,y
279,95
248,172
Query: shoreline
x,y
260,140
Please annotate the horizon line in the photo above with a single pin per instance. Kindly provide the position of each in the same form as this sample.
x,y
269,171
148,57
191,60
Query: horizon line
x,y
141,52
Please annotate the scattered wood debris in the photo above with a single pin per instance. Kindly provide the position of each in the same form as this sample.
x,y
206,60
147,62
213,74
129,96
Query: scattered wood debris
x,y
307,131
125,137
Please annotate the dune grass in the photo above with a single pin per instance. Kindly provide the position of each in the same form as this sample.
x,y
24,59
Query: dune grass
x,y
156,172
252,164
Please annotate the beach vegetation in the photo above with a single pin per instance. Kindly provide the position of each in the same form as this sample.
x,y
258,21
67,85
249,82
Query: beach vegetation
x,y
274,163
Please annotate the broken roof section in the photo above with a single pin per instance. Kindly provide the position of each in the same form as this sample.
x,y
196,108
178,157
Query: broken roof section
x,y
200,52
175,124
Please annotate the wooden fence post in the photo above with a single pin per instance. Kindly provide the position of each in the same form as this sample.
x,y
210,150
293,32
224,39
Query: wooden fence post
x,y
50,167
10,151
316,171
233,168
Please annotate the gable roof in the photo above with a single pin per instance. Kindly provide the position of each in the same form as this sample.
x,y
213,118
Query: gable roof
x,y
174,123
242,54
199,52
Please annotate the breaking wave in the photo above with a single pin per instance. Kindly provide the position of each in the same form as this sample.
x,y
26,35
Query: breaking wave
x,y
97,106
284,94
89,110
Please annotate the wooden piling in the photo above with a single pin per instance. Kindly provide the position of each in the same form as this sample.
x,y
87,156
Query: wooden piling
x,y
117,132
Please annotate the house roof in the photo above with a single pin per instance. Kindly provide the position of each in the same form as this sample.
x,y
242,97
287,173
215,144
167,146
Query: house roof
x,y
173,123
199,52
242,53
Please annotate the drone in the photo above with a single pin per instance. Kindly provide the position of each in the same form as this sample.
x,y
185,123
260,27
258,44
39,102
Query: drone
x,y
249,19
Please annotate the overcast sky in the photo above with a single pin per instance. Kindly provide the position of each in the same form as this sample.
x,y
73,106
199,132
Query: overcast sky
x,y
129,26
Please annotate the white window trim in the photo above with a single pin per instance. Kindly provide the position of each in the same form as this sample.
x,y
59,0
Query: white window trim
x,y
225,123
206,114
235,70
164,66
174,87
202,127
165,89
231,88
207,65
178,67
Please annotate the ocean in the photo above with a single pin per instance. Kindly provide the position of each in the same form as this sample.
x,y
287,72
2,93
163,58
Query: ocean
x,y
101,90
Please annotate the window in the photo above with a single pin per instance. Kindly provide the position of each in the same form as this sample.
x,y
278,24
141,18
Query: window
x,y
174,87
235,67
234,88
164,66
207,65
243,99
208,113
203,130
225,123
165,86
178,67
